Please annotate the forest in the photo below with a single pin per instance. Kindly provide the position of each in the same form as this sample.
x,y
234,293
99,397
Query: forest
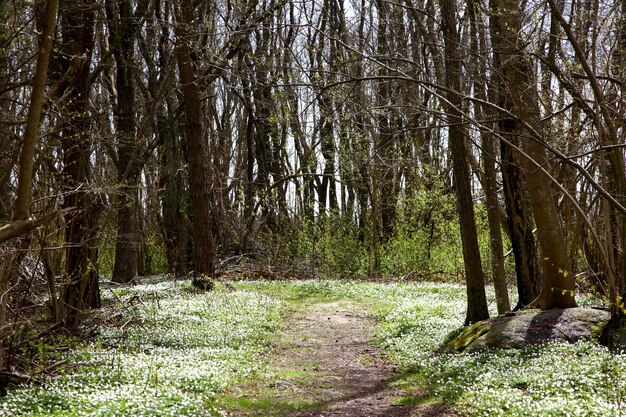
x,y
184,184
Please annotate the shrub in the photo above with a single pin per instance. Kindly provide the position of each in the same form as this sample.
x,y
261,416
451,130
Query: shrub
x,y
329,248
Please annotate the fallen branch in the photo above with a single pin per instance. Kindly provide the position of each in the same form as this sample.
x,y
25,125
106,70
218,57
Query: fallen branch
x,y
7,377
19,227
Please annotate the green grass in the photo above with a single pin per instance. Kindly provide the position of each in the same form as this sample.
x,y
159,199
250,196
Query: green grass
x,y
178,352
266,405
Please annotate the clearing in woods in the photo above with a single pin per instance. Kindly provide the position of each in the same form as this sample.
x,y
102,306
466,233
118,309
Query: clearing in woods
x,y
327,365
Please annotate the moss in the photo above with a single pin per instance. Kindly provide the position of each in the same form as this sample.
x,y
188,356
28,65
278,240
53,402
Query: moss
x,y
527,311
597,330
466,337
203,282
416,400
265,405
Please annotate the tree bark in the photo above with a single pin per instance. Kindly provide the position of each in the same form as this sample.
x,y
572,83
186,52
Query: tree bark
x,y
22,222
520,229
77,32
7,140
123,24
489,158
173,196
196,144
558,282
21,208
384,166
476,298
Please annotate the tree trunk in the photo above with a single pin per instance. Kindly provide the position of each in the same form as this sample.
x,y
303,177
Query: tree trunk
x,y
196,145
493,218
6,140
122,32
384,165
489,165
173,197
77,31
520,230
476,298
21,208
558,282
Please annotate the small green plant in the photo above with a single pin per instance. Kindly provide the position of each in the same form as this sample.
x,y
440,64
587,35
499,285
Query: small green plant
x,y
426,240
613,372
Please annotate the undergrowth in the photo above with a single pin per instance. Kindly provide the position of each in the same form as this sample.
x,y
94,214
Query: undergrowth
x,y
553,380
173,351
168,353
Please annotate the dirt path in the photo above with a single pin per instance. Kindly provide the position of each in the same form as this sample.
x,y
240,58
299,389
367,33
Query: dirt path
x,y
328,367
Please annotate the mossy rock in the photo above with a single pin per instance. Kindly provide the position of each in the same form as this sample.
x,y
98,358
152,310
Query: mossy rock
x,y
530,328
466,337
203,282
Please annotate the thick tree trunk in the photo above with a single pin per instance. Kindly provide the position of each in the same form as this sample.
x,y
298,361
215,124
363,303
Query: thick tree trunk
x,y
265,133
558,282
122,27
196,145
126,244
77,25
173,198
520,230
517,224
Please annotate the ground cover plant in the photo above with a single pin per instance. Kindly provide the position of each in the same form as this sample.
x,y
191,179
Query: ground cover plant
x,y
554,380
172,350
176,351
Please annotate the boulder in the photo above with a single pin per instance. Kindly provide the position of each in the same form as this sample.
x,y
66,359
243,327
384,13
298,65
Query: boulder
x,y
530,327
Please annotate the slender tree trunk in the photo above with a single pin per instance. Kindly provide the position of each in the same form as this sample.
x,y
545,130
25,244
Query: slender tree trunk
x,y
21,208
385,141
476,298
8,163
489,166
493,218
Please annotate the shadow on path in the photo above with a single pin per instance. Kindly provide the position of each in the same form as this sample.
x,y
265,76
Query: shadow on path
x,y
331,343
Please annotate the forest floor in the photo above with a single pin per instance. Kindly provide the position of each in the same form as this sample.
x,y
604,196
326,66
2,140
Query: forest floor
x,y
308,348
330,366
